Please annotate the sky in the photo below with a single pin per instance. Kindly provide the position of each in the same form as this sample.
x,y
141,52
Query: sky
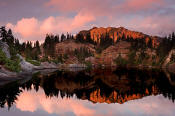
x,y
33,19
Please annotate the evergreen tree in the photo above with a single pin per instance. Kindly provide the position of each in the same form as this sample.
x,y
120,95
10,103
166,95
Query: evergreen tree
x,y
3,33
173,40
150,43
88,38
80,38
63,37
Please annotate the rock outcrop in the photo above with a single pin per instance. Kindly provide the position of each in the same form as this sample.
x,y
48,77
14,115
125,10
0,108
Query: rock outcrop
x,y
25,66
168,58
5,49
171,68
27,69
116,33
108,56
69,46
5,73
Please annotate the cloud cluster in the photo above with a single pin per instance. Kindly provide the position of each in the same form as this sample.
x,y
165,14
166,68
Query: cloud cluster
x,y
34,29
106,8
155,17
32,101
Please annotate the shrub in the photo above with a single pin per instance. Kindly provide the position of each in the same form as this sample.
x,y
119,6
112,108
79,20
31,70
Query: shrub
x,y
65,56
99,50
44,59
120,61
82,53
88,64
12,65
2,57
60,59
131,57
154,63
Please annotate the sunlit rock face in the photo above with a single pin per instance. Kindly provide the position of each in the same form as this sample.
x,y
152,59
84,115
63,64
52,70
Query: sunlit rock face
x,y
111,53
116,33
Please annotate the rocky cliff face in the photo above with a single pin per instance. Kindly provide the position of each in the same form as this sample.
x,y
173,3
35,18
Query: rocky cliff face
x,y
168,58
105,54
108,56
116,33
68,46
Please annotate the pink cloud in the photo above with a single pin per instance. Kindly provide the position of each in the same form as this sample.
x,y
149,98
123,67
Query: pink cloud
x,y
95,7
105,7
33,29
81,19
27,27
154,25
137,5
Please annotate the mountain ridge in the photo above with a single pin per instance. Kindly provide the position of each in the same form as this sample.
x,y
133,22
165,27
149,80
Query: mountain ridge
x,y
116,33
95,47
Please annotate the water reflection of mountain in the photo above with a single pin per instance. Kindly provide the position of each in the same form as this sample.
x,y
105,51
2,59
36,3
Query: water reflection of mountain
x,y
97,86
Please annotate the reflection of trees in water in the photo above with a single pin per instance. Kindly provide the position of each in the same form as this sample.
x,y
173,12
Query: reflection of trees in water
x,y
108,86
8,94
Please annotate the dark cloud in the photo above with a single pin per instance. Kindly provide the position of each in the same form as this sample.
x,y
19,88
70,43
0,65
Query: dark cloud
x,y
14,10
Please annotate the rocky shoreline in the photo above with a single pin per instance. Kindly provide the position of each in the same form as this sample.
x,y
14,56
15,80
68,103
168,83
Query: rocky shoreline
x,y
47,68
28,69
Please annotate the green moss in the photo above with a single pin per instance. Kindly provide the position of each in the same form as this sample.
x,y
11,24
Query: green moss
x,y
34,62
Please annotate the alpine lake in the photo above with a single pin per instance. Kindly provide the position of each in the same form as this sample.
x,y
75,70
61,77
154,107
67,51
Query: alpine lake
x,y
97,92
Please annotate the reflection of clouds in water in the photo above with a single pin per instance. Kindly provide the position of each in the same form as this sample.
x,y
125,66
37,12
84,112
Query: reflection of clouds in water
x,y
153,105
32,101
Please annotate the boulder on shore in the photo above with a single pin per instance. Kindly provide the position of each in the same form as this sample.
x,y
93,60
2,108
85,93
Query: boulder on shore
x,y
25,66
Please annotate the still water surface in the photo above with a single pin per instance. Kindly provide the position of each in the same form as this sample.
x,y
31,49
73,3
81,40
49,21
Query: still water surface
x,y
108,92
